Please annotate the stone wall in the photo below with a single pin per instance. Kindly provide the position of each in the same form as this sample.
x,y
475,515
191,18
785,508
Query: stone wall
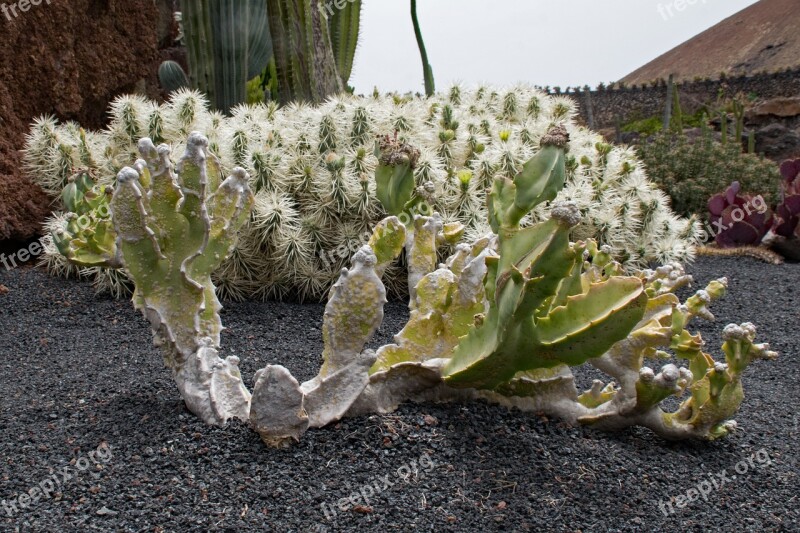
x,y
633,103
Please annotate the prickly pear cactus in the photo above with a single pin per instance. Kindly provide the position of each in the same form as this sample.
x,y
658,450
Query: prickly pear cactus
x,y
174,227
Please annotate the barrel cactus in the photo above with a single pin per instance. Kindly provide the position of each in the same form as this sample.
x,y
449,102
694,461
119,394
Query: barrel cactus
x,y
312,167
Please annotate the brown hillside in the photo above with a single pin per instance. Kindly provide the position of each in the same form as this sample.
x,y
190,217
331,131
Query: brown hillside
x,y
762,37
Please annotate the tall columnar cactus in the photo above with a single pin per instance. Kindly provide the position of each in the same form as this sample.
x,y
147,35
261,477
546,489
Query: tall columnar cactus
x,y
308,66
313,173
345,25
427,69
228,43
173,230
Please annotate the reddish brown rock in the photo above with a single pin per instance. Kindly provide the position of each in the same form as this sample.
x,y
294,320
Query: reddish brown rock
x,y
69,58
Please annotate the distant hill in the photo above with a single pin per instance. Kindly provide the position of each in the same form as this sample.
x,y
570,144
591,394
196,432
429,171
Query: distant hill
x,y
762,37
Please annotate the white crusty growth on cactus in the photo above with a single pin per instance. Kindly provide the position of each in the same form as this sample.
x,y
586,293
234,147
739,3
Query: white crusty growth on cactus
x,y
173,229
502,319
312,167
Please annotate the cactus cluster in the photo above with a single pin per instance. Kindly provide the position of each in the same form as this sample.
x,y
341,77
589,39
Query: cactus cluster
x,y
503,318
312,168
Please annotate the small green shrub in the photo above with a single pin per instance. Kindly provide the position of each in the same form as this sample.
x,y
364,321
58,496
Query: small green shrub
x,y
648,126
652,125
691,171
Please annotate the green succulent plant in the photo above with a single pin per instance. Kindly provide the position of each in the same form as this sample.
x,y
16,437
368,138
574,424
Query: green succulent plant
x,y
174,227
508,315
503,318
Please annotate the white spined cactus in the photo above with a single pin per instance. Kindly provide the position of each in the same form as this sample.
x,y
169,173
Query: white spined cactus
x,y
312,168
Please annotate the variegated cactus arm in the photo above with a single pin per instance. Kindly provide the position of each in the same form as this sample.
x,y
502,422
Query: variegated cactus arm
x,y
520,332
715,389
421,251
172,233
387,242
353,314
276,409
447,302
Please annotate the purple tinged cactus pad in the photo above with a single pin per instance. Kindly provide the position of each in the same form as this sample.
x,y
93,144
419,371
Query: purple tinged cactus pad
x,y
787,222
739,219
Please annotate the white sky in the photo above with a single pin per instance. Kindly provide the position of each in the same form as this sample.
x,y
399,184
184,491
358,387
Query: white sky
x,y
542,42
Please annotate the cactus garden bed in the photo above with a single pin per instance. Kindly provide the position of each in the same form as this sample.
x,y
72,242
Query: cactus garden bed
x,y
80,370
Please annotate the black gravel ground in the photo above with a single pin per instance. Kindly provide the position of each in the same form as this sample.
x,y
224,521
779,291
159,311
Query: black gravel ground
x,y
79,371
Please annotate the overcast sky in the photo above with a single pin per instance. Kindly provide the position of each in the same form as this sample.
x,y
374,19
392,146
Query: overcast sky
x,y
543,42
